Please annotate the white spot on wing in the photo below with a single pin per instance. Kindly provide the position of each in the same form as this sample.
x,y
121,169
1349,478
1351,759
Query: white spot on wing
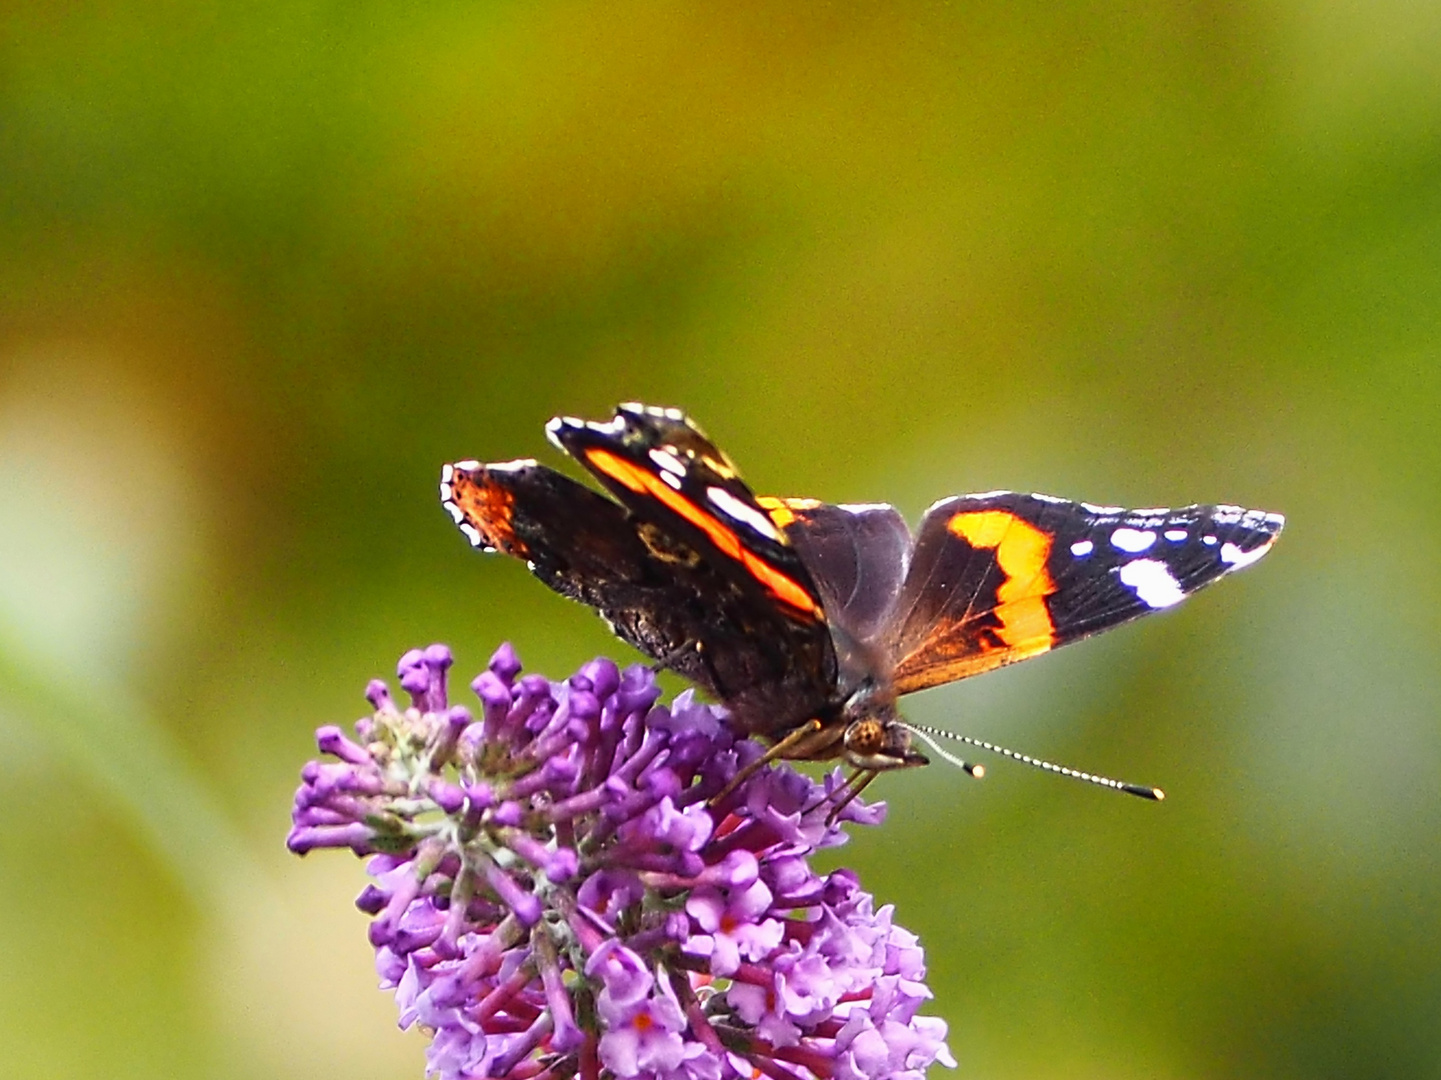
x,y
671,479
1234,557
469,465
1081,548
507,466
863,508
667,461
1102,510
1152,583
471,532
1132,540
455,512
1208,540
1175,535
736,510
1048,498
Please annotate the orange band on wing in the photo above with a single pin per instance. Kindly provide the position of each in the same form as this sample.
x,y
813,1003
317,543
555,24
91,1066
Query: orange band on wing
x,y
1021,553
642,482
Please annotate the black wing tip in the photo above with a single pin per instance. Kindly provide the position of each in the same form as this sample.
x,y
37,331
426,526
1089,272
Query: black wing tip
x,y
1267,521
636,409
655,412
557,428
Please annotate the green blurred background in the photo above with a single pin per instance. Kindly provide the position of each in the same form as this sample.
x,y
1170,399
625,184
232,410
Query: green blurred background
x,y
264,267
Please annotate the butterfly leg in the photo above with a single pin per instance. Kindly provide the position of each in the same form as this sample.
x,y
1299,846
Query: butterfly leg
x,y
856,783
662,663
779,750
671,660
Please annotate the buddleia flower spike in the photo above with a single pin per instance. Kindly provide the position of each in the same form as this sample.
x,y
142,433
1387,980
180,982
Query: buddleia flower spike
x,y
563,886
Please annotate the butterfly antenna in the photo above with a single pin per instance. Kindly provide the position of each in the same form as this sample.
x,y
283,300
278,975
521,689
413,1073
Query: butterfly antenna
x,y
929,734
970,768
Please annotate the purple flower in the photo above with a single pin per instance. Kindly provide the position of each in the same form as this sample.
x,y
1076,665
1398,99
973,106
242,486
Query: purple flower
x,y
642,1036
734,925
564,885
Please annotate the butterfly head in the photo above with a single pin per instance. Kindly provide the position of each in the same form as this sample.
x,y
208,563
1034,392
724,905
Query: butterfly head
x,y
878,743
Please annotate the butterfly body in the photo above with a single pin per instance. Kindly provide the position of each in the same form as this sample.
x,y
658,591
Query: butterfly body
x,y
809,620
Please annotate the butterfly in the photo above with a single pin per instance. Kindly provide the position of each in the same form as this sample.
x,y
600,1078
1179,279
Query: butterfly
x,y
809,620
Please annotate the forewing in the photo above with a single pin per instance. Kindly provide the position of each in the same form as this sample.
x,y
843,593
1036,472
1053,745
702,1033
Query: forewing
x,y
856,555
654,590
664,469
1000,577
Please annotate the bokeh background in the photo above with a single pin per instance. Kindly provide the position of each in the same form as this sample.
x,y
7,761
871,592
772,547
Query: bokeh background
x,y
264,267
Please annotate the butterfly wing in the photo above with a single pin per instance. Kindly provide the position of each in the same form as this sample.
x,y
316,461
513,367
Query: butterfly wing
x,y
856,555
586,548
664,469
1000,577
673,568
666,472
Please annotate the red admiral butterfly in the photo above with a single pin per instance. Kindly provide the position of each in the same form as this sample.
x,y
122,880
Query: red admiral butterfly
x,y
808,620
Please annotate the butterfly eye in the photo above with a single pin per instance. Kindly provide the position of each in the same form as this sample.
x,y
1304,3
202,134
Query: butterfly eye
x,y
875,744
865,737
